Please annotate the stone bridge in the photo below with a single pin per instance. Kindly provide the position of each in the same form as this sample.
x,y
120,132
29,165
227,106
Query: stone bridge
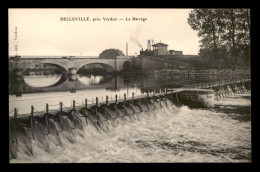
x,y
70,65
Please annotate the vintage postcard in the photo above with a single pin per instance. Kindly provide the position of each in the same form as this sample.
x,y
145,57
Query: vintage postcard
x,y
98,85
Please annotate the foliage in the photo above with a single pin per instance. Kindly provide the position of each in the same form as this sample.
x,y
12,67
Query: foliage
x,y
225,35
94,69
111,53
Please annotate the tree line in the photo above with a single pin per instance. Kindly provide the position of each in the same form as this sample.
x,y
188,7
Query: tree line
x,y
111,53
225,36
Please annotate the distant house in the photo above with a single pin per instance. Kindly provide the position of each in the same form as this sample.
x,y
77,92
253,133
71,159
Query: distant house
x,y
160,49
173,52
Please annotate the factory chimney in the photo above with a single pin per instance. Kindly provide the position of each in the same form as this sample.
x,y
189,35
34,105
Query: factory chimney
x,y
149,45
126,48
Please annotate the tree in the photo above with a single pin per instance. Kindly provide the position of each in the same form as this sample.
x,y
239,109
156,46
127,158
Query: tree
x,y
237,25
111,53
208,23
224,33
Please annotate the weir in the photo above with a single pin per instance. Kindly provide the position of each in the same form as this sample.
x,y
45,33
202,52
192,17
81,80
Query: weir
x,y
51,126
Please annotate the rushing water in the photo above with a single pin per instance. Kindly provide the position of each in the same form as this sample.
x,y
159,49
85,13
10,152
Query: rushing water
x,y
170,134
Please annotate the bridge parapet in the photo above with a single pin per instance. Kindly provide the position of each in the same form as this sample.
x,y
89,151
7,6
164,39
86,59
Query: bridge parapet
x,y
67,63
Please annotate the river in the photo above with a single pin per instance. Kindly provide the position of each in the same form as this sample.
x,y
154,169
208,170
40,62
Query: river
x,y
170,134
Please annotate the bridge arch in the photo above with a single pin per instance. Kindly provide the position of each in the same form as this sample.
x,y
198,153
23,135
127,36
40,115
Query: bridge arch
x,y
105,66
60,67
127,66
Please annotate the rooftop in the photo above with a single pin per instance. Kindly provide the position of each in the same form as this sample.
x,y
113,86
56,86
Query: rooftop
x,y
159,44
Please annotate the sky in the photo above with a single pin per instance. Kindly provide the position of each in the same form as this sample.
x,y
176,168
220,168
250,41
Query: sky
x,y
40,32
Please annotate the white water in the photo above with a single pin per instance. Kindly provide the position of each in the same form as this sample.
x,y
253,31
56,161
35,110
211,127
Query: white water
x,y
171,134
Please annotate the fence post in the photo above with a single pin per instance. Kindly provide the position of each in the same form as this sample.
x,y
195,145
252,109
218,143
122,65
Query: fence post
x,y
47,108
116,99
74,107
124,98
133,96
177,98
61,106
46,118
96,101
32,109
106,99
15,113
61,115
86,103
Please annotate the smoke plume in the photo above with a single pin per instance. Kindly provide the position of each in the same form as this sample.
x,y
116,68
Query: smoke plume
x,y
133,38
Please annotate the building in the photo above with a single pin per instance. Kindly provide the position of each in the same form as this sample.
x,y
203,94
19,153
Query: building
x,y
160,49
173,52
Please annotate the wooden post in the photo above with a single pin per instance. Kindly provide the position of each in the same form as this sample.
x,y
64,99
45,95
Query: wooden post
x,y
61,106
106,99
32,109
177,98
133,96
74,107
96,101
124,98
46,117
86,103
15,113
47,108
47,124
61,115
116,99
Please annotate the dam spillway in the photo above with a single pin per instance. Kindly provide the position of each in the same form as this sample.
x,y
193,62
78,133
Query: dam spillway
x,y
50,127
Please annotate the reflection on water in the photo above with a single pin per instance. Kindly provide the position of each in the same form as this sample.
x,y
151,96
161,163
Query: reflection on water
x,y
37,90
59,82
90,80
42,80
